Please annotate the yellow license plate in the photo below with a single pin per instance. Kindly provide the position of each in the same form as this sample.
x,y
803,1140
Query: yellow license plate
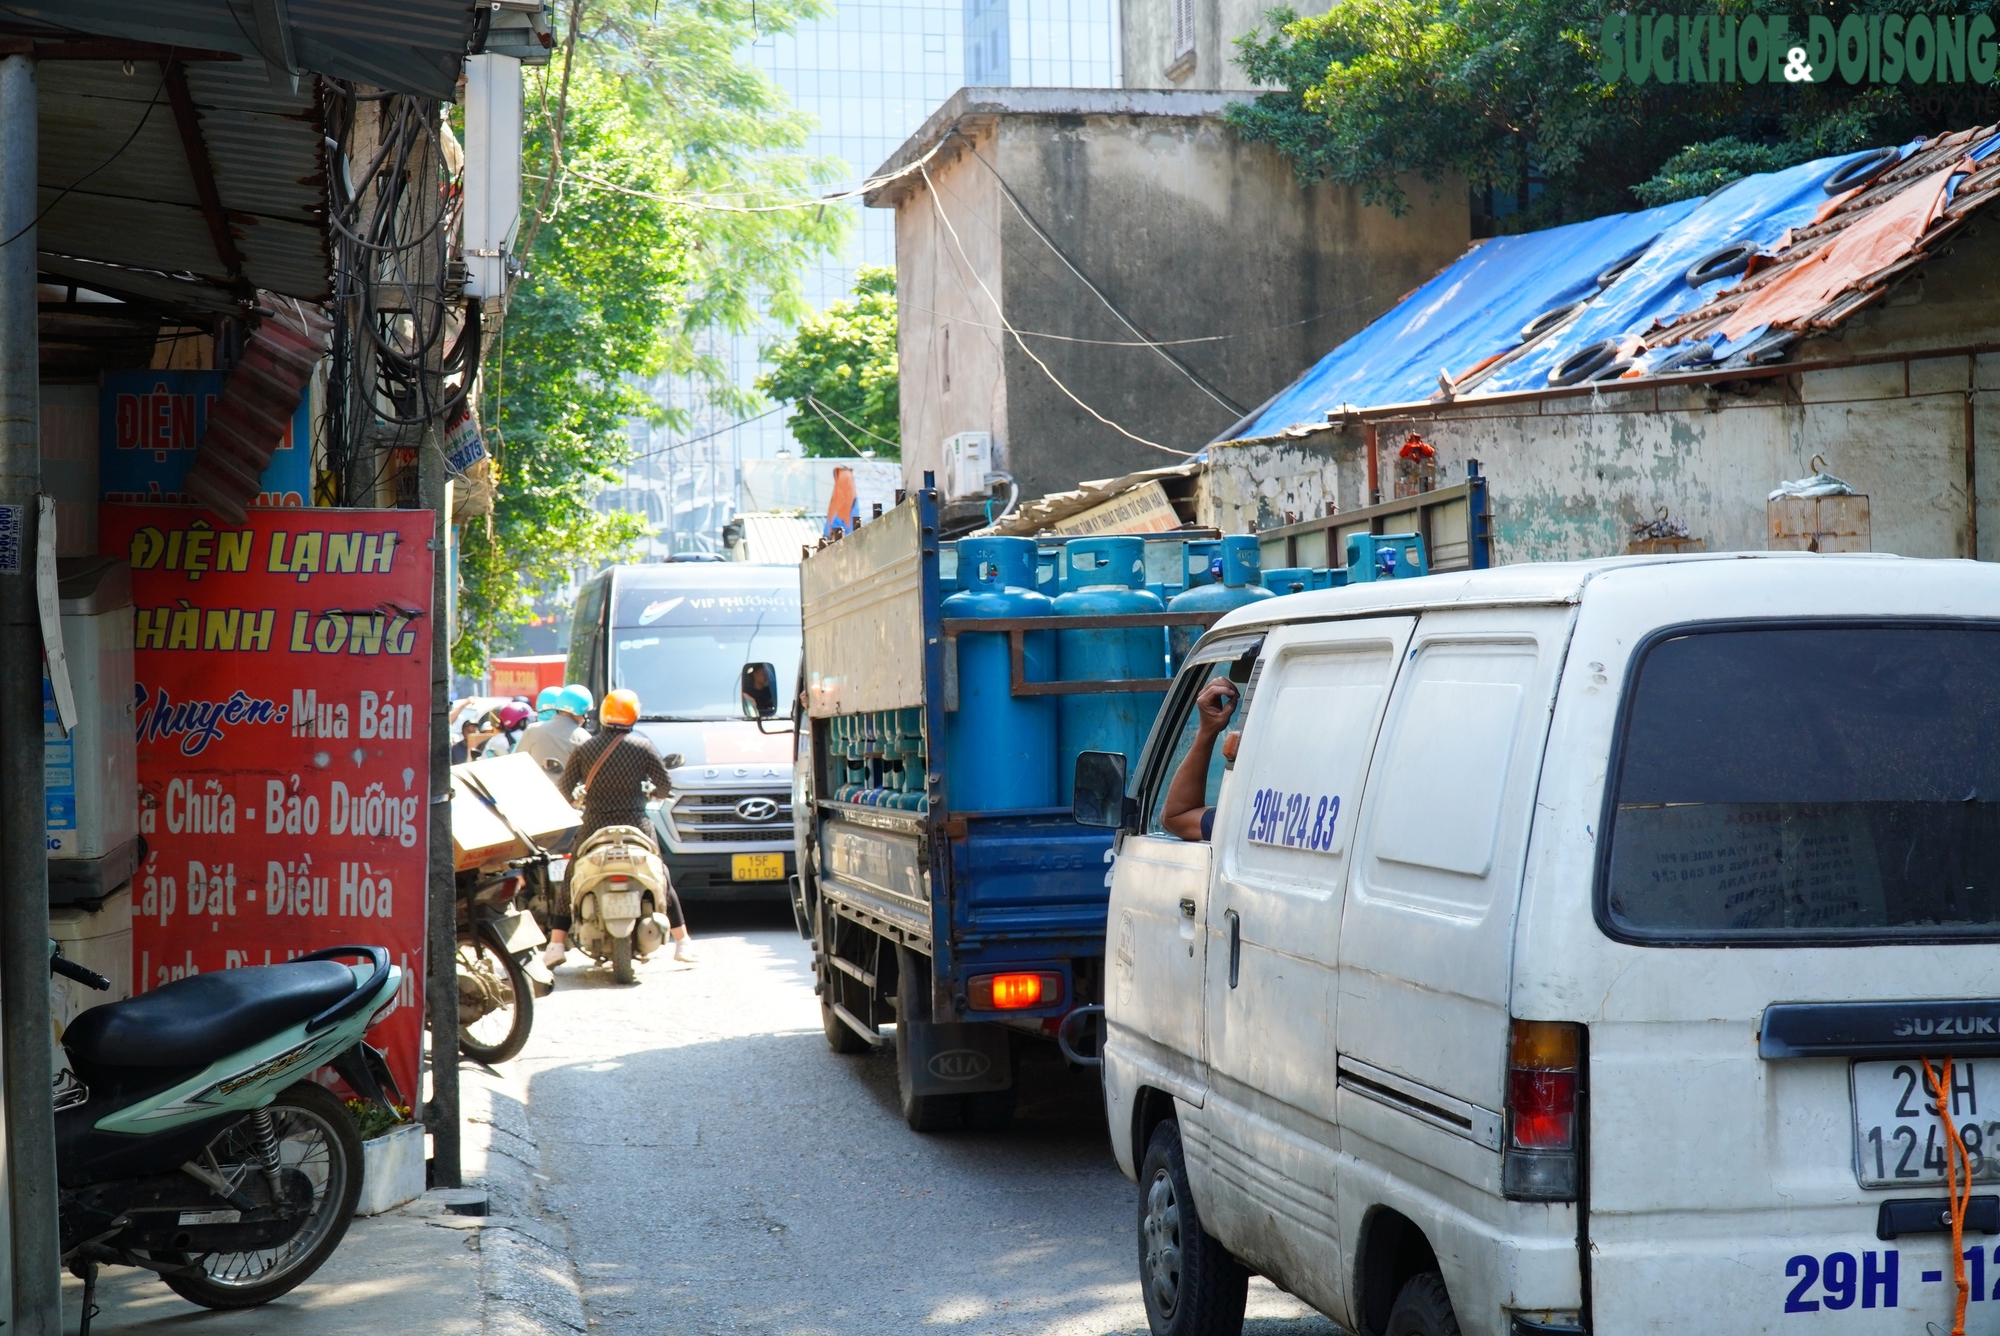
x,y
757,867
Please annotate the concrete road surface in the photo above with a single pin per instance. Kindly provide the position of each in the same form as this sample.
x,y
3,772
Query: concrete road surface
x,y
718,1169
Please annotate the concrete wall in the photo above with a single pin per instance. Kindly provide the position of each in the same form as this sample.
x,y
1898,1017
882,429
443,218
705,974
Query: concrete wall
x,y
1146,41
1570,476
1205,243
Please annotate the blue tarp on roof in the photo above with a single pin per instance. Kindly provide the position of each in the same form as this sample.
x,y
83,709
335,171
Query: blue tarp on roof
x,y
1471,311
1757,209
1476,308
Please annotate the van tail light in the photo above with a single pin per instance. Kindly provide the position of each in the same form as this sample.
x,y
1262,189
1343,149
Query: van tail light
x,y
1544,1075
1014,992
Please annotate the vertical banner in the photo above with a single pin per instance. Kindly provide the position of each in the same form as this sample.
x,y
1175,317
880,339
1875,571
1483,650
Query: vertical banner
x,y
282,708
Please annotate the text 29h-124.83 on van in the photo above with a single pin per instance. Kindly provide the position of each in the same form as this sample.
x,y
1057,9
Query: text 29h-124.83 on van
x,y
1568,951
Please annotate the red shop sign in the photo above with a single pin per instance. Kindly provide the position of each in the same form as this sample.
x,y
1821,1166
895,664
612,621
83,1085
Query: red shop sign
x,y
283,699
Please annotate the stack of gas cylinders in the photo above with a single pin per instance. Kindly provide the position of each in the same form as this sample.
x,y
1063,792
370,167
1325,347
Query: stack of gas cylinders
x,y
881,758
1018,753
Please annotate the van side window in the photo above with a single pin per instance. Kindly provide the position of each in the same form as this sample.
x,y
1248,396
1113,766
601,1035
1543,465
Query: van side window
x,y
1184,726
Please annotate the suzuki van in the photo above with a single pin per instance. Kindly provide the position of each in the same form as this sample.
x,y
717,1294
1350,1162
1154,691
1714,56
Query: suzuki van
x,y
1577,948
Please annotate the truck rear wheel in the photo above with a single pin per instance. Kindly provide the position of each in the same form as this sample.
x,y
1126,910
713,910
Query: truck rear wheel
x,y
924,1113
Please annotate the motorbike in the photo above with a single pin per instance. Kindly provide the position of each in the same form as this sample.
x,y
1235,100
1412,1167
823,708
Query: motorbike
x,y
616,884
499,967
190,1140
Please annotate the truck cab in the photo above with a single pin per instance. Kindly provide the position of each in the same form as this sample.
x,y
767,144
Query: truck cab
x,y
678,634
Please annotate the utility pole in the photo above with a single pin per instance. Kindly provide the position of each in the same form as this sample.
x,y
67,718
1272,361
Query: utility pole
x,y
433,494
32,1249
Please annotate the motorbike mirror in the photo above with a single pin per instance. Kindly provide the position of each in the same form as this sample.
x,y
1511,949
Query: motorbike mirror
x,y
674,760
759,688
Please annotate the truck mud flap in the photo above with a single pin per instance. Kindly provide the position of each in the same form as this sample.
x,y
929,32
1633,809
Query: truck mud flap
x,y
953,1058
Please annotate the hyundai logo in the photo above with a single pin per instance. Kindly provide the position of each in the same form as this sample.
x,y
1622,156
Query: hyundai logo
x,y
757,809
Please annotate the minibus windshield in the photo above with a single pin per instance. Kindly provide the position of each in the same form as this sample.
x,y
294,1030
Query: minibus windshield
x,y
1811,780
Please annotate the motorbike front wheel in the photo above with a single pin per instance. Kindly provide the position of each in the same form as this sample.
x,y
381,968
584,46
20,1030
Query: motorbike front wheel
x,y
621,959
490,977
316,1136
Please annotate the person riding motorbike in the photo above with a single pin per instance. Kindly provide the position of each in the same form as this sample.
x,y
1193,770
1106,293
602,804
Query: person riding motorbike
x,y
513,718
614,770
560,731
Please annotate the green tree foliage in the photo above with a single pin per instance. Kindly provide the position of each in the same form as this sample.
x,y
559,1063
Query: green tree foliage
x,y
664,181
736,147
606,277
1507,95
839,373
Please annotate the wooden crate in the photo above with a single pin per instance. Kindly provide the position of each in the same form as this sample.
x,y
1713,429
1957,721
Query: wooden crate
x,y
1818,524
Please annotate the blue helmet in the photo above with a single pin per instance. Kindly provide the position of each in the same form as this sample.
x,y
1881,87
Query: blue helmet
x,y
547,701
575,698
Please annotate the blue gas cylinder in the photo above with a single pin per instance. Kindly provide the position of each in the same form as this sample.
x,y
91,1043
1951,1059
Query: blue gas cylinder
x,y
1000,748
1106,576
1233,582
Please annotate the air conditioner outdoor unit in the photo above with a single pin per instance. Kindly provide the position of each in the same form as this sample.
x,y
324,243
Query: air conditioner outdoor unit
x,y
968,458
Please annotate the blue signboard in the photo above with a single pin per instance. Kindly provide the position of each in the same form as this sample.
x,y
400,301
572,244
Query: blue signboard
x,y
148,423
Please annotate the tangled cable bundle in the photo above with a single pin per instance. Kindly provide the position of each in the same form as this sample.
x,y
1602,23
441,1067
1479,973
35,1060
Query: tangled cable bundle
x,y
393,286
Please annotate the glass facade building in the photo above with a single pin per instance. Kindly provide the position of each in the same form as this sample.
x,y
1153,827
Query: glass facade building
x,y
868,73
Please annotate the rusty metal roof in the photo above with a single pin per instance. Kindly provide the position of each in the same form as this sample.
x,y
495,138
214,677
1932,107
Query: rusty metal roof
x,y
1955,162
409,46
112,142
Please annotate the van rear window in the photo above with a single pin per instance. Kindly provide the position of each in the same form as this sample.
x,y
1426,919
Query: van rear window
x,y
1810,781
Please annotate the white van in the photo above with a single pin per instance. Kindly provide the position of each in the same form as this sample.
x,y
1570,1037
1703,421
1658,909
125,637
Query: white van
x,y
1566,953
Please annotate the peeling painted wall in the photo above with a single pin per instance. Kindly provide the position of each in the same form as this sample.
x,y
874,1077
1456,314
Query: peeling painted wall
x,y
1570,476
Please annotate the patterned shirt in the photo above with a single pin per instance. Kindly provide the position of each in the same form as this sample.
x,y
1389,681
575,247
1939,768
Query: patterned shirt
x,y
617,796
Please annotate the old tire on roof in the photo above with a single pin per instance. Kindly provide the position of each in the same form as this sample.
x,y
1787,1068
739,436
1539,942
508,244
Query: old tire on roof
x,y
1584,363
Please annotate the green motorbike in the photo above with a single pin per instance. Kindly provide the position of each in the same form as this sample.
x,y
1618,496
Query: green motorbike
x,y
189,1139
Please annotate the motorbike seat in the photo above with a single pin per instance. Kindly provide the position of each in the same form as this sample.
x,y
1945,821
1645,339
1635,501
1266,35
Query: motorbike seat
x,y
193,1021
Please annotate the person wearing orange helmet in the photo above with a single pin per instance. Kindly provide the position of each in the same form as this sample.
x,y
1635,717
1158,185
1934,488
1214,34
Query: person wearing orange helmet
x,y
610,778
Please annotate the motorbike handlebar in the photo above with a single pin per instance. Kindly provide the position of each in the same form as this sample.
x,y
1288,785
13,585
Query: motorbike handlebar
x,y
69,969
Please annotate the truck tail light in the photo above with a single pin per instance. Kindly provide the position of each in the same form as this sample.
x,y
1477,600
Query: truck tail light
x,y
1544,1075
1014,992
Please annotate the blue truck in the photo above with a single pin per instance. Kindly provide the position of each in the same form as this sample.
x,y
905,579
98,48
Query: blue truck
x,y
963,930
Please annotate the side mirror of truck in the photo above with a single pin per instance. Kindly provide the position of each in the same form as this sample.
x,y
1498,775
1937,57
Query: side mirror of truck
x,y
1099,794
759,688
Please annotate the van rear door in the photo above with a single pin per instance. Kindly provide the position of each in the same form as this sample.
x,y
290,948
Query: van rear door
x,y
1796,901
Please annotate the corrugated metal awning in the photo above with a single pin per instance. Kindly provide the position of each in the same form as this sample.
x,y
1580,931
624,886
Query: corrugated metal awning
x,y
119,187
410,46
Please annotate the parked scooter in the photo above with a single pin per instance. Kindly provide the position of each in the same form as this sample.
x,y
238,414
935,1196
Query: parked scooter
x,y
500,971
189,1140
616,884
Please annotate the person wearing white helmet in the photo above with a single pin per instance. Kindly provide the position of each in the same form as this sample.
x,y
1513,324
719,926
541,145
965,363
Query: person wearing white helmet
x,y
558,733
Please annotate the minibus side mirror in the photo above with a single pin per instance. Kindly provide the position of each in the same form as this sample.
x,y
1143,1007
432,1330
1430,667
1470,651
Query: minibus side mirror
x,y
1099,793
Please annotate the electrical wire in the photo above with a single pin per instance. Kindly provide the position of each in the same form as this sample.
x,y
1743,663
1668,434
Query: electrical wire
x,y
817,403
937,202
1035,226
147,116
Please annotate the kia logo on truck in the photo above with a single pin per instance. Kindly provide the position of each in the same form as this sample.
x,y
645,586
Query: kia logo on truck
x,y
757,809
959,1064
